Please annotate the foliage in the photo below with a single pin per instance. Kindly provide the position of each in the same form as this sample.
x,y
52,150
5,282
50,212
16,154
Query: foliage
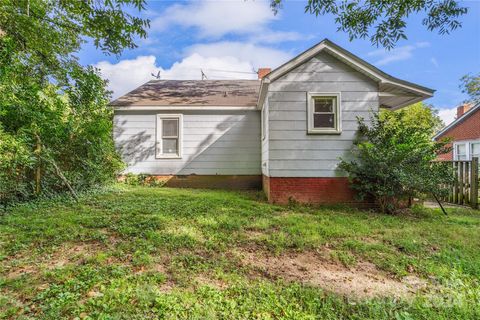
x,y
15,161
418,116
384,21
471,86
52,106
394,158
142,180
112,256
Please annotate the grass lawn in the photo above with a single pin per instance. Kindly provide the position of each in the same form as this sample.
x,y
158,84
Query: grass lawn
x,y
139,252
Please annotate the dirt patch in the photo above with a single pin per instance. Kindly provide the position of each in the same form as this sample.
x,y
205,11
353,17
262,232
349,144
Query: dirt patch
x,y
66,254
311,268
206,280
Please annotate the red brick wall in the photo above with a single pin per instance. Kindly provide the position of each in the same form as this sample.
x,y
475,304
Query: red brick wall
x,y
468,129
310,190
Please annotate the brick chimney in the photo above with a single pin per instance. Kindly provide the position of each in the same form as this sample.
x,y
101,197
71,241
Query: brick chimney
x,y
463,108
262,72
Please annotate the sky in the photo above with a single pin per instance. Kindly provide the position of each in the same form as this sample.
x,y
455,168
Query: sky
x,y
232,39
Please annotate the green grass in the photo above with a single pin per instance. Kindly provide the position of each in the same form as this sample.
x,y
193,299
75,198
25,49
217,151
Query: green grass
x,y
139,252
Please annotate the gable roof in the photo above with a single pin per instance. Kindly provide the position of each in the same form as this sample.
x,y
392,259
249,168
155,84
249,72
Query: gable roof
x,y
394,93
458,121
192,93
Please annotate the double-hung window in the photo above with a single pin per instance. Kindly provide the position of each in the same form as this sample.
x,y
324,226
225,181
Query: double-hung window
x,y
169,136
460,151
475,152
324,114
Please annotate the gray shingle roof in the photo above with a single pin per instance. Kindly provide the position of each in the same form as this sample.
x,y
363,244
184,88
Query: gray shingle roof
x,y
238,93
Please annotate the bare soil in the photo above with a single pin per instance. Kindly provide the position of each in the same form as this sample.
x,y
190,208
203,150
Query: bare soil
x,y
311,268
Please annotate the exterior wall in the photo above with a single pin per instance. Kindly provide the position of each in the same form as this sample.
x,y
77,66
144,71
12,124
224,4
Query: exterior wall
x,y
310,190
214,143
468,129
291,151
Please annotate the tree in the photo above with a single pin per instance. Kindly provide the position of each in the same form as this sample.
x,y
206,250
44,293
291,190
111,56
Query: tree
x,y
471,86
54,115
394,159
419,116
384,21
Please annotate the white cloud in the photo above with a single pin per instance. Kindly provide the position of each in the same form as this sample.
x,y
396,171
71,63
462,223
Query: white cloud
x,y
126,75
216,18
447,115
434,62
222,60
397,54
257,56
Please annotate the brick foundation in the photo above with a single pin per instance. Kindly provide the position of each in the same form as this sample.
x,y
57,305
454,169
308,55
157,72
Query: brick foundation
x,y
309,190
228,182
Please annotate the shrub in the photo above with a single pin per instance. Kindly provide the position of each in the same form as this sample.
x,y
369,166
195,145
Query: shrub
x,y
15,162
395,160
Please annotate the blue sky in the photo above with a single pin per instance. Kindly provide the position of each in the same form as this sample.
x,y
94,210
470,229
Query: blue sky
x,y
240,36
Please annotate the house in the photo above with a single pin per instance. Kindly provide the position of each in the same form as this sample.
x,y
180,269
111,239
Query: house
x,y
464,133
285,131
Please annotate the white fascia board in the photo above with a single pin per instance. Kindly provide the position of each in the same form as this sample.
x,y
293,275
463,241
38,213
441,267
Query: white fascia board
x,y
375,75
179,107
346,58
298,60
409,102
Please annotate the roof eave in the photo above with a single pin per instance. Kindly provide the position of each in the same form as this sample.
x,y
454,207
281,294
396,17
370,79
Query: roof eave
x,y
181,107
357,63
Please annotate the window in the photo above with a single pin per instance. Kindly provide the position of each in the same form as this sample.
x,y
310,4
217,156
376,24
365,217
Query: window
x,y
475,152
466,150
460,152
324,113
169,136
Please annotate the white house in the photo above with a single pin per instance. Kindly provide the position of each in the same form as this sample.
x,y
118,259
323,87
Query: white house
x,y
289,127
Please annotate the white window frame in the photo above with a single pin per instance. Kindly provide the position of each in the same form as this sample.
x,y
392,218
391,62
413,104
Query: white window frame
x,y
158,142
337,111
468,149
471,148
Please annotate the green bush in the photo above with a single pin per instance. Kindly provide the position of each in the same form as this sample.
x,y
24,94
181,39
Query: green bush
x,y
394,159
15,162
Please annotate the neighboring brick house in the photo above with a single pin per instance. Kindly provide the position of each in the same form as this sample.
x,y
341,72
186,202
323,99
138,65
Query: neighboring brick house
x,y
464,133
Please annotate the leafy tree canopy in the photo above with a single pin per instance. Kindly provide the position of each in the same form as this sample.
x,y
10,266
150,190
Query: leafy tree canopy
x,y
49,32
384,21
55,126
470,84
419,116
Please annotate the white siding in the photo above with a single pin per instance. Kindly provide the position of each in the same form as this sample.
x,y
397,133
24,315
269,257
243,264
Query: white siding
x,y
214,142
291,151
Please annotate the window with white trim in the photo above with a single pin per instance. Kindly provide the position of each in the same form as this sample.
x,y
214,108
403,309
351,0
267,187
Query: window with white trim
x,y
466,150
169,136
475,149
460,151
324,113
